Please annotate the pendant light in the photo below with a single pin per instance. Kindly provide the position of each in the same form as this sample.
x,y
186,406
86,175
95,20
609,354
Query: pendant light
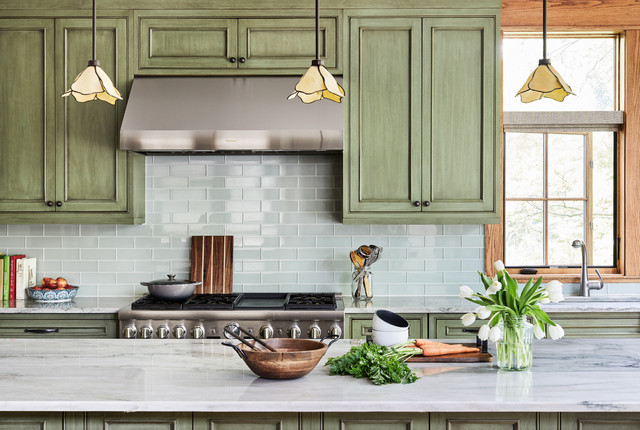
x,y
544,81
317,83
93,83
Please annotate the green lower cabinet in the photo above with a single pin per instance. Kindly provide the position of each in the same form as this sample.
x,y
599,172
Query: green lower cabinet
x,y
246,421
138,421
31,420
481,421
359,326
599,421
449,326
625,324
59,325
376,421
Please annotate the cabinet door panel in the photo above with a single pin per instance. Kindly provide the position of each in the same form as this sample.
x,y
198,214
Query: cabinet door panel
x,y
91,172
30,420
186,43
599,421
245,421
481,421
287,43
138,421
27,119
373,421
384,106
459,86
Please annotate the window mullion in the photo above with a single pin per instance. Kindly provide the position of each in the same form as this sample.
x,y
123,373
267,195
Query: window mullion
x,y
545,202
588,230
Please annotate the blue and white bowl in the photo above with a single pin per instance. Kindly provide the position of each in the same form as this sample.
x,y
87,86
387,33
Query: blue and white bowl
x,y
52,296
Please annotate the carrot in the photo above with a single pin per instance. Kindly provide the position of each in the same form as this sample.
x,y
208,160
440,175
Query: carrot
x,y
434,349
420,342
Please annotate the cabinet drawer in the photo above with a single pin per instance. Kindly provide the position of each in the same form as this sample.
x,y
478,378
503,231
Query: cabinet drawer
x,y
360,327
598,324
59,327
449,326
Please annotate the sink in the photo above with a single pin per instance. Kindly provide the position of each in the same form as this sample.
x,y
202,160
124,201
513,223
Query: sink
x,y
578,299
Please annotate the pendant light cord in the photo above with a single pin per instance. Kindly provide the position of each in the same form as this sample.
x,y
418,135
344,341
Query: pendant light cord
x,y
317,30
544,29
94,30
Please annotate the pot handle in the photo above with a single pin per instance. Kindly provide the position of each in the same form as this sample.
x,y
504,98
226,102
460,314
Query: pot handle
x,y
238,350
334,336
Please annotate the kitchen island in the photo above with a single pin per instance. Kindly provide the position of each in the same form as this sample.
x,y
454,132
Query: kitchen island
x,y
190,384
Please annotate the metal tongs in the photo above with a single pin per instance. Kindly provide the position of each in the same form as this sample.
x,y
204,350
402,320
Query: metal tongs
x,y
248,334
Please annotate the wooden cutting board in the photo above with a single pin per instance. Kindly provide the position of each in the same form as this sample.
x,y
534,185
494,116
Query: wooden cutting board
x,y
212,263
467,357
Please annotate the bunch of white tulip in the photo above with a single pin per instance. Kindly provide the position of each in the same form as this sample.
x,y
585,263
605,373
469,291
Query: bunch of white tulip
x,y
501,297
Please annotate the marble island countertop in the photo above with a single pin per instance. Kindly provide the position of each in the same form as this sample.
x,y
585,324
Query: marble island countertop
x,y
198,376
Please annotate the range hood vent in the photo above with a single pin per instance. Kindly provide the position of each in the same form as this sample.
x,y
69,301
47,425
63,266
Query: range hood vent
x,y
226,114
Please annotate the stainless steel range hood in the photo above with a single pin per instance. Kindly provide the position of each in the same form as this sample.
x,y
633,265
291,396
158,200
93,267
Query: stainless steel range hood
x,y
230,114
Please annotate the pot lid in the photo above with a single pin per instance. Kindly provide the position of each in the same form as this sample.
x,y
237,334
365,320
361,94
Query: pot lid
x,y
171,281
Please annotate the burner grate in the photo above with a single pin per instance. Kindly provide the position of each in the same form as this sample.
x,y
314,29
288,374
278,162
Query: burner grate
x,y
311,301
151,303
211,301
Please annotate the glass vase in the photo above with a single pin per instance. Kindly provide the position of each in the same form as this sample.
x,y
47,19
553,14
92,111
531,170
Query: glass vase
x,y
514,348
361,286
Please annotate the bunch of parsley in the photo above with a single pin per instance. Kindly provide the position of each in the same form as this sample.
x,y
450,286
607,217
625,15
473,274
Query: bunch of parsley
x,y
382,365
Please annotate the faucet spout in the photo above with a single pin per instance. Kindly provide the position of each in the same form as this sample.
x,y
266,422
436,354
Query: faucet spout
x,y
585,285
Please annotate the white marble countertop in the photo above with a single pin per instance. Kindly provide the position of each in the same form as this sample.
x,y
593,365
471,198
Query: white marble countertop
x,y
454,304
80,305
202,375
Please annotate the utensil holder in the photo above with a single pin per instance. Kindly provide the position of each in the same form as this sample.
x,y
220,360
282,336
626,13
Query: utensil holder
x,y
361,284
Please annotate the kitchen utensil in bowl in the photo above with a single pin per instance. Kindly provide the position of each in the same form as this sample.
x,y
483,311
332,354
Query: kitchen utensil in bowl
x,y
388,338
247,333
294,357
171,288
384,320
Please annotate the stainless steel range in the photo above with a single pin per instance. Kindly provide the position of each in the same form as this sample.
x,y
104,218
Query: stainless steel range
x,y
295,315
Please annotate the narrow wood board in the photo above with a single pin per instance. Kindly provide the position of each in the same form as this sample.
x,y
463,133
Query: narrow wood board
x,y
212,263
466,357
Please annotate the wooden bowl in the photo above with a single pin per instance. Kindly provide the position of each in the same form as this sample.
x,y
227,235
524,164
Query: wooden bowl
x,y
294,357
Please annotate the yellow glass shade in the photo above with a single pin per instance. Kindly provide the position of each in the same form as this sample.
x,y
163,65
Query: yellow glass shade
x,y
544,81
91,84
316,84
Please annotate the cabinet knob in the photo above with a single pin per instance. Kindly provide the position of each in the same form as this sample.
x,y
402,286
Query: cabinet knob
x,y
49,203
416,204
426,203
232,59
58,203
242,59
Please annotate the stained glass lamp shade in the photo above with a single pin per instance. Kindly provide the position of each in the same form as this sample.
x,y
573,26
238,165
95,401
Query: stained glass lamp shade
x,y
544,81
317,83
93,83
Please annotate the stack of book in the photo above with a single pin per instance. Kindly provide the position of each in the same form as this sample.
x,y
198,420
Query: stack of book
x,y
17,273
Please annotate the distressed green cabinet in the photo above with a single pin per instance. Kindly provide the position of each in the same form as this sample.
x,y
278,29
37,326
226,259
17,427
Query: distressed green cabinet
x,y
423,141
60,159
181,42
376,421
359,326
59,325
476,421
599,421
246,421
137,421
30,420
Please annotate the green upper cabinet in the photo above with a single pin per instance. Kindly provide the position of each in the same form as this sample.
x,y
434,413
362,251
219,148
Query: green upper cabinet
x,y
180,42
60,158
423,106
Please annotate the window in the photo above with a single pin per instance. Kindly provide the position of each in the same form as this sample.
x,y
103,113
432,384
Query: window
x,y
561,165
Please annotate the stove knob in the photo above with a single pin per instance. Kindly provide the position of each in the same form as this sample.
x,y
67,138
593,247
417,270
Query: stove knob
x,y
198,331
130,331
314,332
146,332
294,332
179,332
232,327
335,330
266,332
163,332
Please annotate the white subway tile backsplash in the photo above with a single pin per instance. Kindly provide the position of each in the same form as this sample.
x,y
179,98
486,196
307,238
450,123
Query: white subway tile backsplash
x,y
284,213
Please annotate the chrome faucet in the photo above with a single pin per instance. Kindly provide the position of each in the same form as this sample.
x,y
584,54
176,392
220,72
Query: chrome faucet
x,y
585,285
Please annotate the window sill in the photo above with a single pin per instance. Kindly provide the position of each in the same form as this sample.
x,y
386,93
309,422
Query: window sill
x,y
575,277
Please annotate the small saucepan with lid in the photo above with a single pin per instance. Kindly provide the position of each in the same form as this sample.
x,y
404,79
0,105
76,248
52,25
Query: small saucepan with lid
x,y
171,288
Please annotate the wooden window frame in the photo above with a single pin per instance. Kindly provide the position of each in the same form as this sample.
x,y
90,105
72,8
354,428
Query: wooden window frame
x,y
574,15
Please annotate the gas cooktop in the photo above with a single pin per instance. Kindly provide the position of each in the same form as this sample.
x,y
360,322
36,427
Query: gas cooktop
x,y
242,301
